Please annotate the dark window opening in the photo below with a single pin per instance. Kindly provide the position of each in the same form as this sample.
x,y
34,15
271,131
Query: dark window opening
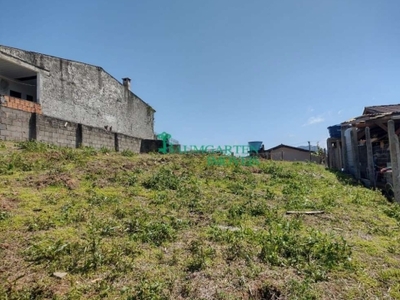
x,y
29,97
15,94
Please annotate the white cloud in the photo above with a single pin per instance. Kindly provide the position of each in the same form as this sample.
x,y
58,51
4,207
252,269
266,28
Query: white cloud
x,y
314,120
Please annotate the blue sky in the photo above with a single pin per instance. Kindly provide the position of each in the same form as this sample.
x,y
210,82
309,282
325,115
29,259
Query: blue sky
x,y
225,72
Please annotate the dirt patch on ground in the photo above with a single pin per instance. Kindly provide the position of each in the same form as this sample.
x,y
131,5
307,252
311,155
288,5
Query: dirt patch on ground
x,y
8,204
62,179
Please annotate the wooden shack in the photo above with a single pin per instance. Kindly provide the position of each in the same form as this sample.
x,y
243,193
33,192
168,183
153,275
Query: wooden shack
x,y
369,148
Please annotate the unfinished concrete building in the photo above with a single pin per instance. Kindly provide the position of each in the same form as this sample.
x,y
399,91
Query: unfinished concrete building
x,y
70,96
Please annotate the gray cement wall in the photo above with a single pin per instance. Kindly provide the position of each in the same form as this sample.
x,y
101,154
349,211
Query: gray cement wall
x,y
55,131
88,95
19,125
15,125
125,142
97,138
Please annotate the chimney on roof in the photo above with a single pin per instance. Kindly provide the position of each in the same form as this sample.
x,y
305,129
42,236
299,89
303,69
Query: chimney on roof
x,y
126,82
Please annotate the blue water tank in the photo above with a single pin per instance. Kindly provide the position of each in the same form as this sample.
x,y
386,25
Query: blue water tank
x,y
255,146
335,131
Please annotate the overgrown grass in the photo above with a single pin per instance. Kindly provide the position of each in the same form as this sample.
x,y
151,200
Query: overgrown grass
x,y
128,226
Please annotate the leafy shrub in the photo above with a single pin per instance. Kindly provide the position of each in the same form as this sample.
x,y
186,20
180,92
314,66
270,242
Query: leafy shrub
x,y
147,289
18,162
127,153
316,253
104,150
34,146
154,232
96,199
164,179
393,211
88,151
40,223
202,256
4,215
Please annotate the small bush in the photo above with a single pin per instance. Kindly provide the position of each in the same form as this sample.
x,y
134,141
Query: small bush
x,y
40,223
88,151
104,150
202,256
127,153
4,215
34,146
315,253
164,179
154,232
147,289
393,211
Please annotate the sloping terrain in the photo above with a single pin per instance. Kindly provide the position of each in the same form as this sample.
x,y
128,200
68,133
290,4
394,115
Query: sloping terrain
x,y
85,224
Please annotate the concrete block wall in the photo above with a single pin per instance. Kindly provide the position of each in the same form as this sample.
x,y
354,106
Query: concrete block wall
x,y
58,132
125,142
23,124
97,138
15,125
83,93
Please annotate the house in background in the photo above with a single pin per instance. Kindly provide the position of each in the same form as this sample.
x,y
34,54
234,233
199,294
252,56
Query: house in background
x,y
72,91
367,147
289,153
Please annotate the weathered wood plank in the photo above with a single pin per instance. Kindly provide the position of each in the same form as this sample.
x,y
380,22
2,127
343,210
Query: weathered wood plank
x,y
383,126
370,158
310,212
394,157
344,150
356,158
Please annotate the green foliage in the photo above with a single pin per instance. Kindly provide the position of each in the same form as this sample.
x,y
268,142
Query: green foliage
x,y
149,289
202,256
315,253
153,232
276,171
40,223
127,153
17,162
97,199
35,146
164,179
393,211
88,151
171,226
104,150
4,215
301,290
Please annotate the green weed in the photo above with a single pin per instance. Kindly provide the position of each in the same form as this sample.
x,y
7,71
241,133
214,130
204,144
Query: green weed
x,y
315,253
393,211
202,256
104,150
147,289
164,179
127,153
4,215
153,232
34,146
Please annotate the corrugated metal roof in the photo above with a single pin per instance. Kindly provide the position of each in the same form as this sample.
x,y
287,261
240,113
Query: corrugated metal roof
x,y
369,117
389,108
287,146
